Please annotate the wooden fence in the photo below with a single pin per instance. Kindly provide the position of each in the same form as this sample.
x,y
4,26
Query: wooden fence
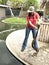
x,y
43,34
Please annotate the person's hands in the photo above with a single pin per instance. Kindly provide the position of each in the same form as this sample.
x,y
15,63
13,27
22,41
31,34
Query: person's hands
x,y
33,25
36,28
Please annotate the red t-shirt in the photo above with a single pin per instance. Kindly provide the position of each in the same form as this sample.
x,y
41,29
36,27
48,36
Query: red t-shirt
x,y
32,19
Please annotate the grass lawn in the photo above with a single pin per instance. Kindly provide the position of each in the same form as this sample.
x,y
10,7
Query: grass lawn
x,y
15,20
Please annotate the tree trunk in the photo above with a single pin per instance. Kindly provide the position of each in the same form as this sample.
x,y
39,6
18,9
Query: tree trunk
x,y
46,10
22,13
11,12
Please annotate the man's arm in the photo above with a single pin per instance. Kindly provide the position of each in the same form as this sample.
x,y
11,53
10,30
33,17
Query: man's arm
x,y
32,25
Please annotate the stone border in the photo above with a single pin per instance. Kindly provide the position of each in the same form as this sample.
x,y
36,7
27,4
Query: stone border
x,y
5,33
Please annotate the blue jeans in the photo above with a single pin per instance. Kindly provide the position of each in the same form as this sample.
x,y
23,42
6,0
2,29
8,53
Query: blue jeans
x,y
27,35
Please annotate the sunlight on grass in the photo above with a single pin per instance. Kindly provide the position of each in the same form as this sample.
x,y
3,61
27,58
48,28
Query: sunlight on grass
x,y
15,20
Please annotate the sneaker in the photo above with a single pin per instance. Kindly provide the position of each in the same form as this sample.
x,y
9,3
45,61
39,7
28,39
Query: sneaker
x,y
22,49
34,54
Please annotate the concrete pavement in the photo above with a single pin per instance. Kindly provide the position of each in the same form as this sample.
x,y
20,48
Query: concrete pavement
x,y
14,43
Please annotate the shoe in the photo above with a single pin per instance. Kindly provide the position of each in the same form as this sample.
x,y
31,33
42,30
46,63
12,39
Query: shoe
x,y
34,54
22,49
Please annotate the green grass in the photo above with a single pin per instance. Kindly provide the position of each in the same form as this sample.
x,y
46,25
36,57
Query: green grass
x,y
15,20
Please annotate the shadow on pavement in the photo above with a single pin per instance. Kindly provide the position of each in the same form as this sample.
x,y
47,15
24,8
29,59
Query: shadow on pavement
x,y
6,58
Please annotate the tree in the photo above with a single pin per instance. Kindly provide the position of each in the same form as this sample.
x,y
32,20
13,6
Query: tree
x,y
14,3
34,3
0,1
45,5
9,3
4,2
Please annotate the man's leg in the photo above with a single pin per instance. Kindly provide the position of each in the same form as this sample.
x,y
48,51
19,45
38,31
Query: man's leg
x,y
26,38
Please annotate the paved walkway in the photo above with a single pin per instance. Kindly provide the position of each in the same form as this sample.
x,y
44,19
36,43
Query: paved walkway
x,y
14,43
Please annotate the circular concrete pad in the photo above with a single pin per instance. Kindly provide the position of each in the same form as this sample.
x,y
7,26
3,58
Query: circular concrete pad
x,y
14,43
